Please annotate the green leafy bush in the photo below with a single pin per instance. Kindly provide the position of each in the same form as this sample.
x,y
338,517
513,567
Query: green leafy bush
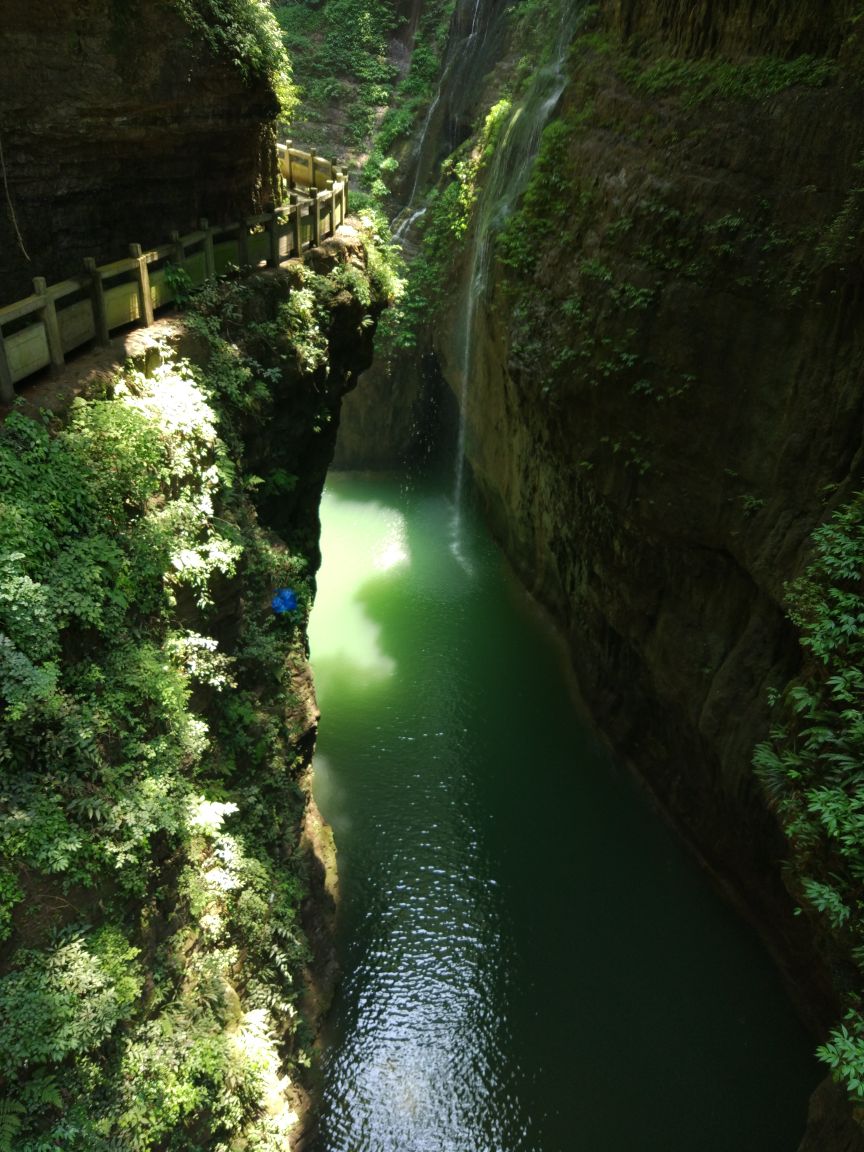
x,y
66,1000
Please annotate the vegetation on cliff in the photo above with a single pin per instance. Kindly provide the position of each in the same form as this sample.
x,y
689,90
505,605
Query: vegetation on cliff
x,y
633,248
247,33
156,727
343,49
354,93
812,769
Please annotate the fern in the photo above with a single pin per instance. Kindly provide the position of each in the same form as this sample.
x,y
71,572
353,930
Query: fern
x,y
42,1091
11,1112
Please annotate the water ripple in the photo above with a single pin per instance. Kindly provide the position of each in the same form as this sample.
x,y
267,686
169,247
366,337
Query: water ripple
x,y
529,961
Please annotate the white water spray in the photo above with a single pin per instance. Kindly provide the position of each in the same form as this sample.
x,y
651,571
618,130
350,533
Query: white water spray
x,y
407,224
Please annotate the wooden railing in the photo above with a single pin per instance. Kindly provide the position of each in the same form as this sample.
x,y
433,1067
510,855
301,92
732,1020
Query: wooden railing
x,y
38,331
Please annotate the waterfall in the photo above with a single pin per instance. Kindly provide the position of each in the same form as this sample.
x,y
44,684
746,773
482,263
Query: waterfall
x,y
504,182
406,225
465,61
405,217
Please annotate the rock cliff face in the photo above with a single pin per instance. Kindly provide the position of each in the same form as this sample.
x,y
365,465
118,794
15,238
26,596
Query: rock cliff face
x,y
666,392
735,27
830,1127
117,127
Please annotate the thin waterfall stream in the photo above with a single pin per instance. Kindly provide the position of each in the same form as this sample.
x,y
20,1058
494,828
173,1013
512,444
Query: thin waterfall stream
x,y
464,60
531,962
502,185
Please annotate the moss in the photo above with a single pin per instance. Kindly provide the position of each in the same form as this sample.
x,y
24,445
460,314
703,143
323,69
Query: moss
x,y
695,81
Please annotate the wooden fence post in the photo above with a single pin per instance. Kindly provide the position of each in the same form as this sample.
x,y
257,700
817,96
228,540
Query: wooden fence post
x,y
316,217
340,176
328,191
97,301
296,234
179,251
145,300
7,388
289,175
209,255
273,235
49,319
178,259
243,244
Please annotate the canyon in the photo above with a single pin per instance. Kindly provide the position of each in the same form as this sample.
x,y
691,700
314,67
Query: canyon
x,y
633,243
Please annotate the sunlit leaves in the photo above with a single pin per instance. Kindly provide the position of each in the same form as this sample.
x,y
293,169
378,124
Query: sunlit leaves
x,y
65,1000
247,33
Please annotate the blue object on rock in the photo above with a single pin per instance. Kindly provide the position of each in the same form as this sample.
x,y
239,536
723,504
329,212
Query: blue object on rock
x,y
284,601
